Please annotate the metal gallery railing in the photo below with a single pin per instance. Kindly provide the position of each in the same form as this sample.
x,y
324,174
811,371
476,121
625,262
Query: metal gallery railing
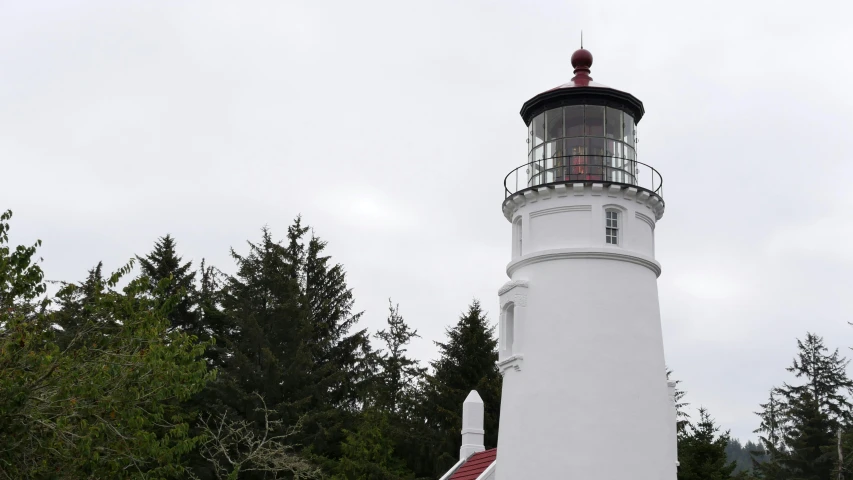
x,y
583,169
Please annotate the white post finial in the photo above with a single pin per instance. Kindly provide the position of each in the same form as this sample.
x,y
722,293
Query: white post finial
x,y
472,426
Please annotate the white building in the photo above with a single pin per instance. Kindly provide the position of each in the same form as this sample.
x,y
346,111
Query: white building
x,y
585,394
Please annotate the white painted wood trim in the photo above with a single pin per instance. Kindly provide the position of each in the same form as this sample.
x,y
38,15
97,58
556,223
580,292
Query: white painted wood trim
x,y
453,470
488,471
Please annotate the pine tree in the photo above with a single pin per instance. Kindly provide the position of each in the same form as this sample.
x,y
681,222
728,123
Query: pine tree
x,y
164,265
467,362
75,304
825,376
810,440
771,433
396,393
702,451
801,422
398,374
268,352
681,416
289,316
368,452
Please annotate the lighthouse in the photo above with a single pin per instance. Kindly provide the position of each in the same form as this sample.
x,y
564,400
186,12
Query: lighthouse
x,y
585,393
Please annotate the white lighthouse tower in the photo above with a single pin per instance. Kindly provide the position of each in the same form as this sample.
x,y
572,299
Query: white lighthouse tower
x,y
585,394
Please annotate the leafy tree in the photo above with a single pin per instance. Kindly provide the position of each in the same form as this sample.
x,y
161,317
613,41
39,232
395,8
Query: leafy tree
x,y
467,362
102,405
702,451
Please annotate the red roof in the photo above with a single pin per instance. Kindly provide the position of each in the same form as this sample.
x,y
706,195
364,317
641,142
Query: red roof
x,y
475,465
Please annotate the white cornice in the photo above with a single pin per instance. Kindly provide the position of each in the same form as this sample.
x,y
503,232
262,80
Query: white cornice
x,y
572,253
652,201
513,362
510,285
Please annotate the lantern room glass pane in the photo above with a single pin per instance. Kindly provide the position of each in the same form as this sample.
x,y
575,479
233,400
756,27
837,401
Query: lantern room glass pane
x,y
614,148
537,127
630,166
628,128
574,120
595,156
613,123
553,124
594,121
573,146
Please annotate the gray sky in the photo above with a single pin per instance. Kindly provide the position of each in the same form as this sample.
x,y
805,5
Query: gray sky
x,y
389,125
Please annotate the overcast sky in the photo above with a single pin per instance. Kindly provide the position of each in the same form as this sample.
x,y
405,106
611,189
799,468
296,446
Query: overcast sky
x,y
389,125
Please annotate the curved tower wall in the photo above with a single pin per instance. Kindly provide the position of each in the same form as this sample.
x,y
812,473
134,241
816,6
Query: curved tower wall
x,y
585,392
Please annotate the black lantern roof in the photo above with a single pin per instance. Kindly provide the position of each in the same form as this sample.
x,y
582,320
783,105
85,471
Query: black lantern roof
x,y
581,90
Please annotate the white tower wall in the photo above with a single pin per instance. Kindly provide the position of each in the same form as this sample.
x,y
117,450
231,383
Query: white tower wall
x,y
585,392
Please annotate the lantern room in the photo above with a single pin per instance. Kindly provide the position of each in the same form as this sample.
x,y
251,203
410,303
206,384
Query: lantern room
x,y
582,132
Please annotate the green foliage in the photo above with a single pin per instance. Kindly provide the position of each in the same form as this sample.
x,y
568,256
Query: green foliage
x,y
104,405
702,451
467,362
170,278
800,423
398,375
368,452
290,319
742,455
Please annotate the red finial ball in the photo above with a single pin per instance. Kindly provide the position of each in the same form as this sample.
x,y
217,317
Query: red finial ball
x,y
582,59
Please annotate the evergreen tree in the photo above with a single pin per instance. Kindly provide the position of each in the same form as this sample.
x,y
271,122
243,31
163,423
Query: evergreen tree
x,y
75,305
810,440
268,351
368,452
825,379
343,362
771,433
396,393
164,266
801,423
702,451
466,362
398,374
289,316
213,323
742,455
681,416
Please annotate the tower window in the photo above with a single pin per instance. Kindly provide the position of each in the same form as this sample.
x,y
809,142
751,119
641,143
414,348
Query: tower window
x,y
611,231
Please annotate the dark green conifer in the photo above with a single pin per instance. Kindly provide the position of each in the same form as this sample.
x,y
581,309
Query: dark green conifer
x,y
466,362
164,265
702,451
